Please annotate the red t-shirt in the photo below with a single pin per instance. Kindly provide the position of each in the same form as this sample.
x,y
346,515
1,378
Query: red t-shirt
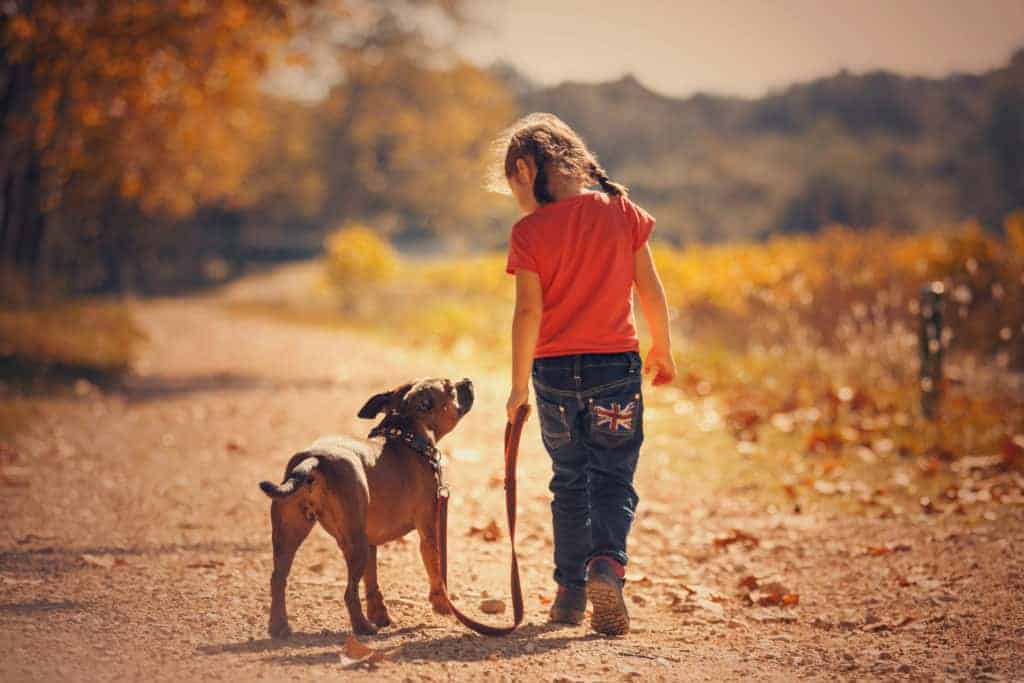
x,y
582,248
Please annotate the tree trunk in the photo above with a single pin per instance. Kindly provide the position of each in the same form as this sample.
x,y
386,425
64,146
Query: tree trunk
x,y
22,223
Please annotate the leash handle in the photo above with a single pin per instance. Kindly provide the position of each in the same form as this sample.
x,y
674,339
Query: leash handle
x,y
513,432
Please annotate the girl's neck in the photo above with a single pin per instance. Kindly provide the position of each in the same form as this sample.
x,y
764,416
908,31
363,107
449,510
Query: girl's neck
x,y
568,191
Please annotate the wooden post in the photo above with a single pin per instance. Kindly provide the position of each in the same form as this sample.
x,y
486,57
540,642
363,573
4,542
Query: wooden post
x,y
930,346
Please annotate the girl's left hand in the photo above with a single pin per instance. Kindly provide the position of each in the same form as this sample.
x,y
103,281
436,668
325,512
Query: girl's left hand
x,y
516,398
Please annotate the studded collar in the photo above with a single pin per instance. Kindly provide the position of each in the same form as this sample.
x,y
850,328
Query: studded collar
x,y
420,444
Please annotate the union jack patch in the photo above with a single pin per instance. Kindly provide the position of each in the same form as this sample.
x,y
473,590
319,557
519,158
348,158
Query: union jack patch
x,y
616,417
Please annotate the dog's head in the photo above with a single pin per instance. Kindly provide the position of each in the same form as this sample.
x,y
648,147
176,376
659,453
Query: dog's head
x,y
434,404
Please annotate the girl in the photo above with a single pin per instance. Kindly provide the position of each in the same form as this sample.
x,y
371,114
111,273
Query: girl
x,y
576,256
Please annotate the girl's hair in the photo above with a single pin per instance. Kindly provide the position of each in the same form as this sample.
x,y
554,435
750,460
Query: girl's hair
x,y
558,152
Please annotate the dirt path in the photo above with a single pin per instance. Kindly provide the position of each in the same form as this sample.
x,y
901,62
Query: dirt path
x,y
138,546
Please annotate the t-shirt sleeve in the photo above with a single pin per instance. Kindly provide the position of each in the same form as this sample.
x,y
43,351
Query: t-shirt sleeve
x,y
520,256
641,222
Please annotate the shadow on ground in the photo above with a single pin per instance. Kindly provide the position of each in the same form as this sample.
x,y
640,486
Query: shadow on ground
x,y
142,389
49,560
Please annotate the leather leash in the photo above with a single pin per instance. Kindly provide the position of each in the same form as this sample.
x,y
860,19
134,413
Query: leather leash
x,y
513,432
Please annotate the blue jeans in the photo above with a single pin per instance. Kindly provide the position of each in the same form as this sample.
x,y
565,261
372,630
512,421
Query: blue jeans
x,y
591,418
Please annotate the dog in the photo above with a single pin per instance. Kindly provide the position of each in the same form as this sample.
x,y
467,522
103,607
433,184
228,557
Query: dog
x,y
365,493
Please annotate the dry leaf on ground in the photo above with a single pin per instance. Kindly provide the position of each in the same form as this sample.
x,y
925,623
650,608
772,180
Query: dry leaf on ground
x,y
878,550
489,533
492,606
736,536
356,653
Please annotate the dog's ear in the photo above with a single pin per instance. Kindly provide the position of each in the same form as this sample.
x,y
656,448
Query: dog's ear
x,y
386,400
374,405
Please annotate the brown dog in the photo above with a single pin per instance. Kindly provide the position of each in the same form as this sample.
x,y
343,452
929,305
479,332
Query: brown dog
x,y
365,493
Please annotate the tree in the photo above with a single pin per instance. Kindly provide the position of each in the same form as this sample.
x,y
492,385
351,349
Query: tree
x,y
115,115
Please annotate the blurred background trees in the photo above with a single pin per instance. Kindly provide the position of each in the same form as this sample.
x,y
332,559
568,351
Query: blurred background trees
x,y
140,143
149,146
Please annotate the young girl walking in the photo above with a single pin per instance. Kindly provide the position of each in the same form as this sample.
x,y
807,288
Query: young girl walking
x,y
576,256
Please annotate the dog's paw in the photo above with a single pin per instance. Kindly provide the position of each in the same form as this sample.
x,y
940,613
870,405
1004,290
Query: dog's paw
x,y
381,619
439,605
280,630
364,629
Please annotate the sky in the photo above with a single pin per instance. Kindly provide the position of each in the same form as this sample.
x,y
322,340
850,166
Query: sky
x,y
735,47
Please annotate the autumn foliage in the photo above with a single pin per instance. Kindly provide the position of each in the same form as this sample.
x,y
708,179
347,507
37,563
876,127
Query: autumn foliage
x,y
798,344
139,135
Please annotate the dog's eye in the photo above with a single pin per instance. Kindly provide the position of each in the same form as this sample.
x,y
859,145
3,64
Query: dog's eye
x,y
425,404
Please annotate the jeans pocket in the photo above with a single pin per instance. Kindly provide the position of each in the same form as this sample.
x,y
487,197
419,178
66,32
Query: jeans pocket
x,y
616,419
554,425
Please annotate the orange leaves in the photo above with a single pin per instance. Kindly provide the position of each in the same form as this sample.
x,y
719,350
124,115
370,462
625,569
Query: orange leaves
x,y
356,654
490,533
150,86
823,441
736,536
767,594
879,550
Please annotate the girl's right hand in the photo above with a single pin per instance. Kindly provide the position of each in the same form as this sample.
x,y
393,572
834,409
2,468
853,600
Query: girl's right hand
x,y
516,398
660,362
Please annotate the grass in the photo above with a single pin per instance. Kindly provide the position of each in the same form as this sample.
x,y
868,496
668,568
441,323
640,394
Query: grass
x,y
798,357
94,340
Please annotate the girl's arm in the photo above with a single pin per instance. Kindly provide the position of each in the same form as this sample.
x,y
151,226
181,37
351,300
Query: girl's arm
x,y
652,301
525,329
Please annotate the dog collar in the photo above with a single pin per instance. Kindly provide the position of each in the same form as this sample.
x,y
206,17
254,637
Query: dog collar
x,y
415,442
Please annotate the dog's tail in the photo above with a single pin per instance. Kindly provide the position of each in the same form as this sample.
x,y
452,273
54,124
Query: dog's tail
x,y
301,475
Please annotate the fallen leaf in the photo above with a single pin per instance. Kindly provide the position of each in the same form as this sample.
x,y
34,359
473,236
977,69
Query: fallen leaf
x,y
492,606
357,654
876,551
104,561
356,650
748,582
489,533
773,594
736,536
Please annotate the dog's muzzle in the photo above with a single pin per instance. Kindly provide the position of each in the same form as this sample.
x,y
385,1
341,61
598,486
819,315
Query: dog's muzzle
x,y
464,391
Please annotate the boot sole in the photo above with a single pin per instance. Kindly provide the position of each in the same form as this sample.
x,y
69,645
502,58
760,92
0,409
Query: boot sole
x,y
573,618
610,616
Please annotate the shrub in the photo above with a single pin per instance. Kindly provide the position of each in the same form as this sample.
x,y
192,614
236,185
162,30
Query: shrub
x,y
356,254
90,337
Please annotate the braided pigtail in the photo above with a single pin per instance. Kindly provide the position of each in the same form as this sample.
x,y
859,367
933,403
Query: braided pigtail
x,y
609,187
562,159
541,188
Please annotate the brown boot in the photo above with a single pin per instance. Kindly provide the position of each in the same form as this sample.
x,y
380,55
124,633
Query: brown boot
x,y
604,588
569,606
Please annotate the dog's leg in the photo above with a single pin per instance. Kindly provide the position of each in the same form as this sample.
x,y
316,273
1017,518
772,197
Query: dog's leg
x,y
289,529
356,551
375,608
432,563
